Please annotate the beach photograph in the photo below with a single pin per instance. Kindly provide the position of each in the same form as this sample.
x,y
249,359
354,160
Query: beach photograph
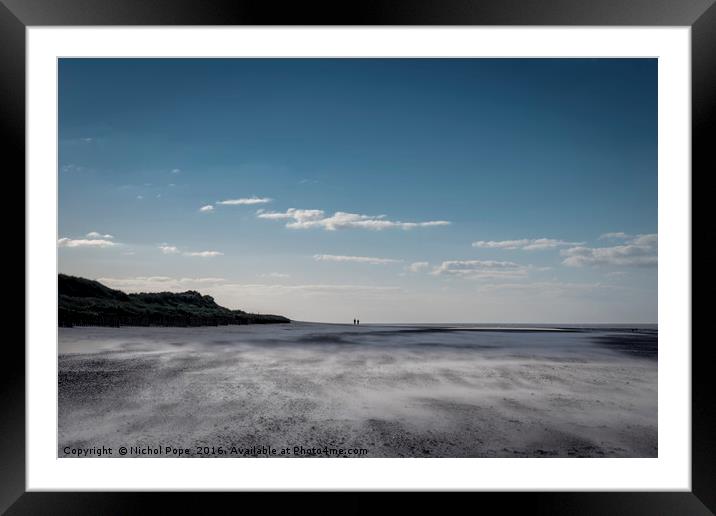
x,y
357,258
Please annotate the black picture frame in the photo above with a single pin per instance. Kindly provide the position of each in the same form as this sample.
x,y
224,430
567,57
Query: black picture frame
x,y
700,15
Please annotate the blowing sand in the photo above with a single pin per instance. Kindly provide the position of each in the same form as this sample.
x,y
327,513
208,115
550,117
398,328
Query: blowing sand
x,y
395,391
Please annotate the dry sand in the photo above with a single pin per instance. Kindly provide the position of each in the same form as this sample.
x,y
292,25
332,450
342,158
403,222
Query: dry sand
x,y
395,391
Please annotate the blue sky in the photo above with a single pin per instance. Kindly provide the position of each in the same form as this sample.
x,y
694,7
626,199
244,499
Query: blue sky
x,y
395,190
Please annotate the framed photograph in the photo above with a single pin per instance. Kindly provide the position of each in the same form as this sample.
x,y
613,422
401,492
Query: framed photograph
x,y
451,245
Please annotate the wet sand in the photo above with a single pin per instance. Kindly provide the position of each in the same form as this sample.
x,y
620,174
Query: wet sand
x,y
395,391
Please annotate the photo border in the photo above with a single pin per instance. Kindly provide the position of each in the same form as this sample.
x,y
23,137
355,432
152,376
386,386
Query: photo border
x,y
699,15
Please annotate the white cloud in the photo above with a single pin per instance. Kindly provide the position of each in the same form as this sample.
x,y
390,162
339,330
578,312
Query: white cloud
x,y
140,197
306,219
171,249
524,244
275,275
245,201
95,242
481,269
637,251
311,288
206,208
355,259
617,234
417,266
71,167
292,213
220,285
159,283
543,287
651,240
95,234
204,254
168,249
176,170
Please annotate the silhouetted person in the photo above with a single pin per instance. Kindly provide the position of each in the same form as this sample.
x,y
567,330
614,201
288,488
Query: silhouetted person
x,y
357,321
354,321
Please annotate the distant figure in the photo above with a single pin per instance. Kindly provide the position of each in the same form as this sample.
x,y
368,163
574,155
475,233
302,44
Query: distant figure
x,y
357,321
354,321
